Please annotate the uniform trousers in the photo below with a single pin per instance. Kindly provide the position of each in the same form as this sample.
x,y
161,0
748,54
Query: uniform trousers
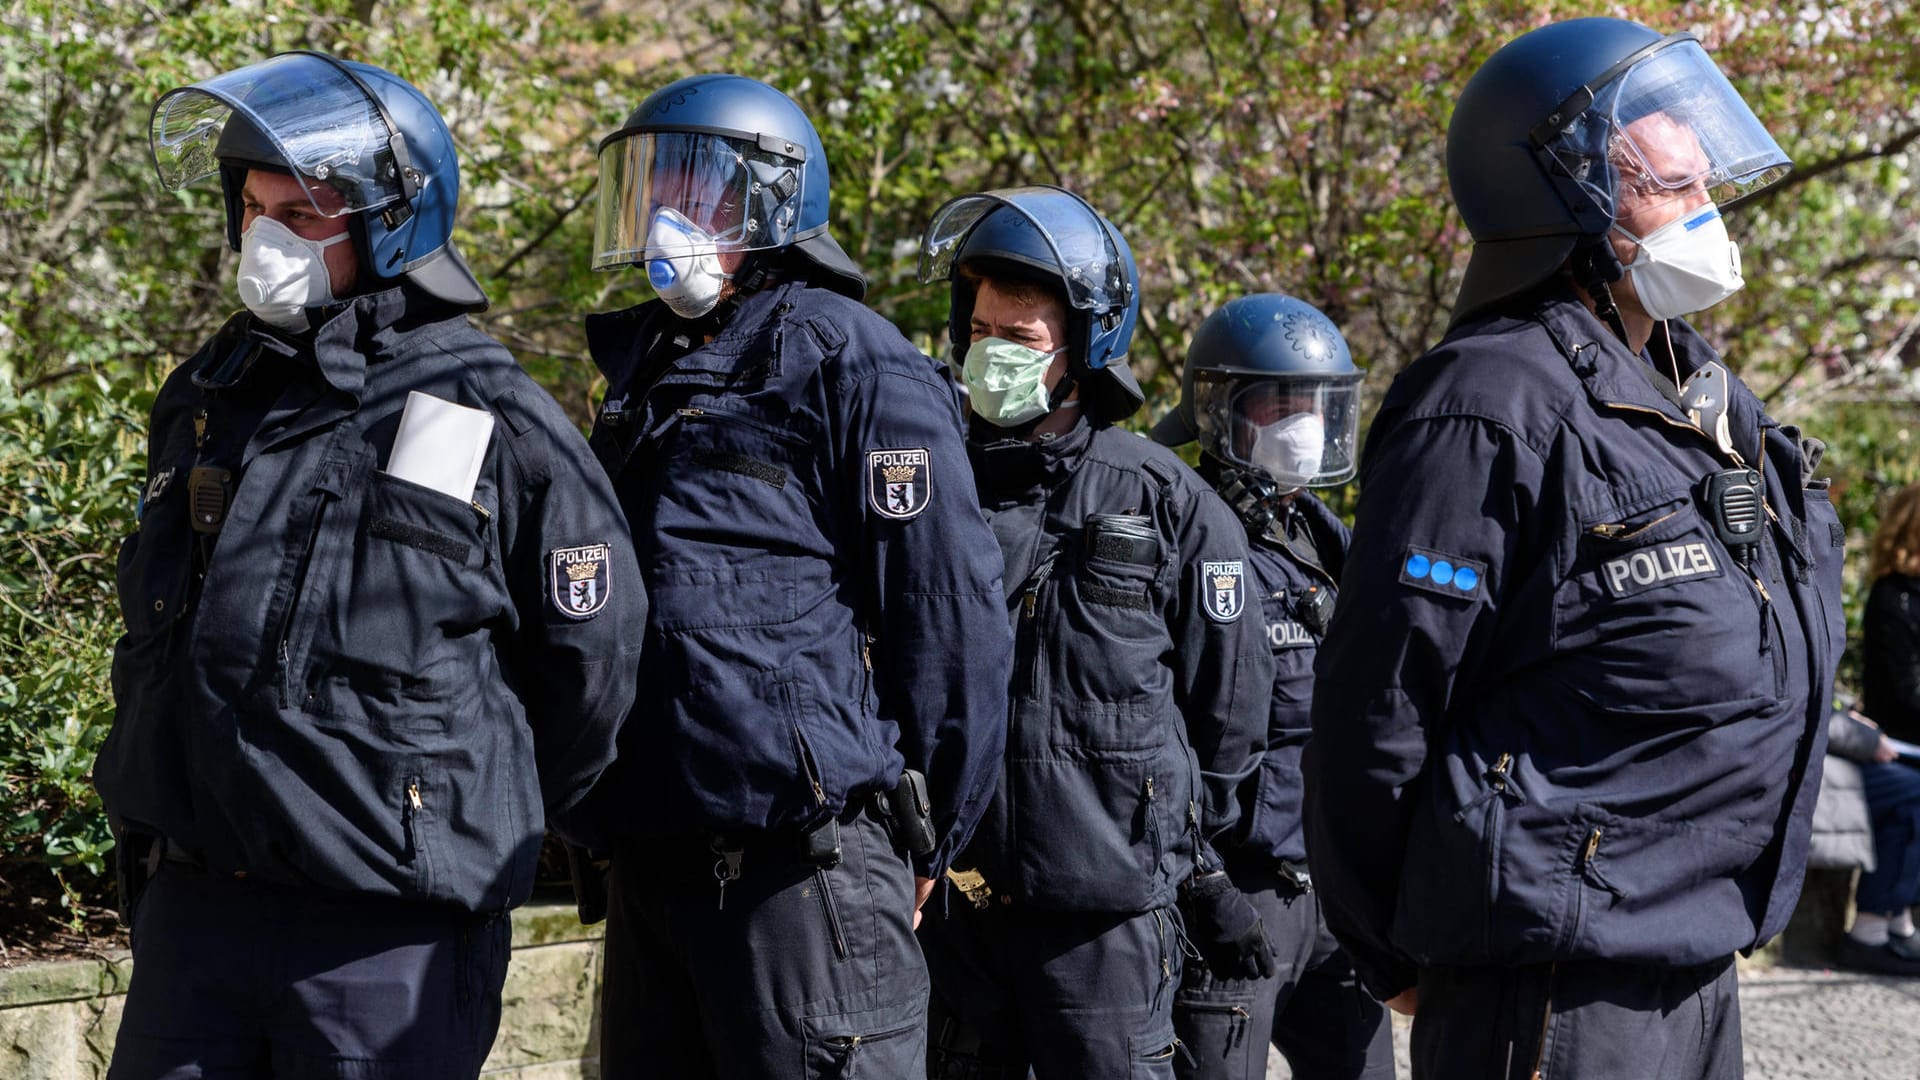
x,y
792,971
1313,1009
1065,994
241,979
1578,1019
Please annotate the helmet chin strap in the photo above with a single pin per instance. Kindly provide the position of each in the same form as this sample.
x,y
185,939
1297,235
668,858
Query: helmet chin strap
x,y
1257,501
1595,269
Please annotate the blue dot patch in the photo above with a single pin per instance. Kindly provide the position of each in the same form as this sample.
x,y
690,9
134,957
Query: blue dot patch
x,y
1446,575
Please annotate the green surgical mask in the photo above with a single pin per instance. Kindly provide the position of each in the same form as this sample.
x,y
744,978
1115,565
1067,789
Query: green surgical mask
x,y
1006,381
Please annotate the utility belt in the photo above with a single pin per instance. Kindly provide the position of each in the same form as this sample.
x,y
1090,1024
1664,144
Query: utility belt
x,y
137,856
905,813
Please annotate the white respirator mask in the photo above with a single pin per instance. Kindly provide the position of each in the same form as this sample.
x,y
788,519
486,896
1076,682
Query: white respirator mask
x,y
1686,265
1289,449
688,281
282,274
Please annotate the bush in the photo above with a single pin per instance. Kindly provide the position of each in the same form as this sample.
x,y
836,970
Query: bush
x,y
73,455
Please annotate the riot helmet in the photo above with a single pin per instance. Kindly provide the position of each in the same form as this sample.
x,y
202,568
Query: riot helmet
x,y
361,142
1052,235
712,166
1553,129
1271,392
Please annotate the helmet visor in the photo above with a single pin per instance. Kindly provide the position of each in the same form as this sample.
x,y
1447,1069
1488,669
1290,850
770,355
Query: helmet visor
x,y
320,123
742,197
1083,253
1669,126
1295,430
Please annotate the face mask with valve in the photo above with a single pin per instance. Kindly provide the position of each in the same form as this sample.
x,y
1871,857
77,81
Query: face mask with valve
x,y
282,274
1007,381
1686,265
685,270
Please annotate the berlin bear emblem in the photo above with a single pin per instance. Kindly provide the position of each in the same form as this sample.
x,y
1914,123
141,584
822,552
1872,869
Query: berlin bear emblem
x,y
581,579
899,482
1225,589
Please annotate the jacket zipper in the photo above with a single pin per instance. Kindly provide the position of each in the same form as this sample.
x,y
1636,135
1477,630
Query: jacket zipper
x,y
285,650
1029,616
807,765
694,412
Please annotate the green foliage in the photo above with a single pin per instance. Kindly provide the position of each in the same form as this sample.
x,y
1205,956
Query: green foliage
x,y
1240,146
70,451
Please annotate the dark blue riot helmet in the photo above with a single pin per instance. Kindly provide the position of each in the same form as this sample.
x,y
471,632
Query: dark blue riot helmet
x,y
1052,235
364,133
1544,136
711,165
1271,392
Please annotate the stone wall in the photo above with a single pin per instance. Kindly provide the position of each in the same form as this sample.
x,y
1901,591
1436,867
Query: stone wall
x,y
57,1020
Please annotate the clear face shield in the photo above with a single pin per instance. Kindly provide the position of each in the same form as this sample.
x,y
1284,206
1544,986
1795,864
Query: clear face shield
x,y
1083,253
321,123
1666,126
1295,430
680,195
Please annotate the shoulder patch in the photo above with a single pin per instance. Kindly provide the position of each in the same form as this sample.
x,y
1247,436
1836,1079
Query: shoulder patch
x,y
580,579
1223,589
1448,575
899,482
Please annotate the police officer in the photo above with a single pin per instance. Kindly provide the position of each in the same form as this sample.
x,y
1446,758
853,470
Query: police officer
x,y
353,680
1272,394
1139,682
826,609
1570,713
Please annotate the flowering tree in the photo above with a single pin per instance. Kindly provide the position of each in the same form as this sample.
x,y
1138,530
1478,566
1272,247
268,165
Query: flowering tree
x,y
1240,146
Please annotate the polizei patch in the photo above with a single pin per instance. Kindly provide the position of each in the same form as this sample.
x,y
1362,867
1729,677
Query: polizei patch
x,y
1224,587
581,579
1660,564
899,482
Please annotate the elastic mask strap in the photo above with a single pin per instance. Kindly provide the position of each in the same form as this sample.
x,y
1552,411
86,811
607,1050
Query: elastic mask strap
x,y
1595,268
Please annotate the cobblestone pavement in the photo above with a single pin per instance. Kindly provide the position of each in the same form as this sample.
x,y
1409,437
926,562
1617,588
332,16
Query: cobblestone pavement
x,y
1800,1024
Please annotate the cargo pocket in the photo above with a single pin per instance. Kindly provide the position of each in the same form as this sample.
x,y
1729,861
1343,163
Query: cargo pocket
x,y
836,1050
1150,1057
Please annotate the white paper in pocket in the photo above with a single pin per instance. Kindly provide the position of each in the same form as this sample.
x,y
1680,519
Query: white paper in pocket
x,y
440,445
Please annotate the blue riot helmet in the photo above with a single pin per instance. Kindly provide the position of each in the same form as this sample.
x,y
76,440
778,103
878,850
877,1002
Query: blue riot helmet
x,y
1553,124
1271,391
1055,236
714,165
369,139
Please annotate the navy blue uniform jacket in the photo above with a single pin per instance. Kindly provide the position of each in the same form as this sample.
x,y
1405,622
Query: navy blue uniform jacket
x,y
825,596
1270,827
1555,717
1139,683
375,689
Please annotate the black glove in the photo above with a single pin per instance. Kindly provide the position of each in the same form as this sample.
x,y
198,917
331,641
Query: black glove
x,y
1229,934
589,871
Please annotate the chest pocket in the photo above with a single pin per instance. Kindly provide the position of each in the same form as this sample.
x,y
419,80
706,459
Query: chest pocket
x,y
1652,615
1109,619
412,574
733,522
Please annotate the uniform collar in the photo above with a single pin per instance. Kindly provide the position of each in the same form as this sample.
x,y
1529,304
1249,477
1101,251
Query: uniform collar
x,y
1012,469
1614,377
620,341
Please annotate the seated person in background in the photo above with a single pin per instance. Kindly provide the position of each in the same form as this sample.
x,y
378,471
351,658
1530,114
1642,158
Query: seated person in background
x,y
1882,935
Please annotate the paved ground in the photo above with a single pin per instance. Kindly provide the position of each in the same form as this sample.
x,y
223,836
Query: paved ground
x,y
1804,1024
